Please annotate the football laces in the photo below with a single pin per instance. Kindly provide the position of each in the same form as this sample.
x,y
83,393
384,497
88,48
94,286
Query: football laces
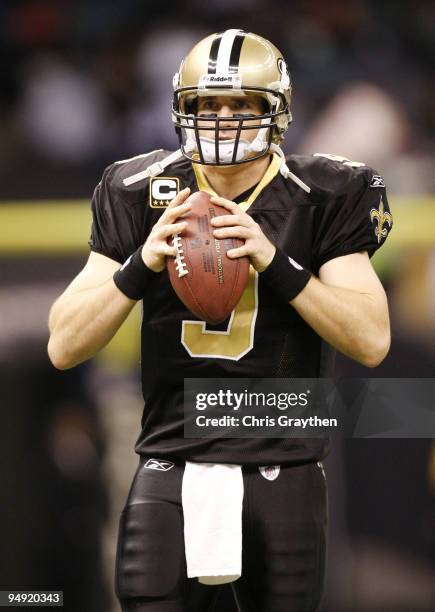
x,y
180,264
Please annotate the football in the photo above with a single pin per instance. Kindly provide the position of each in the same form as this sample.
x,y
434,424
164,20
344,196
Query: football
x,y
208,282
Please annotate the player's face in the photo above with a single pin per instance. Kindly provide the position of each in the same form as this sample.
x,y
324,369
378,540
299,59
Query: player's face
x,y
229,106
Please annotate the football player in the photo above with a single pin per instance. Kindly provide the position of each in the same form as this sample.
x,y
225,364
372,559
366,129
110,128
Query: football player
x,y
310,225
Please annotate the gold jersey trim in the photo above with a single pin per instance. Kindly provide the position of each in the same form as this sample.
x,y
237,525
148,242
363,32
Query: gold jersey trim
x,y
271,172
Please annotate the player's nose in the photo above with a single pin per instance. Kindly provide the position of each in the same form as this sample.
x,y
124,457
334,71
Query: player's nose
x,y
225,112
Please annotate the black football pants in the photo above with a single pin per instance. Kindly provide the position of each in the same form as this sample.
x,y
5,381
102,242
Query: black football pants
x,y
284,534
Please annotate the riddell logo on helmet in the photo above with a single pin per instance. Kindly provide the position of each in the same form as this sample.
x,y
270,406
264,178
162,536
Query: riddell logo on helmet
x,y
221,78
230,80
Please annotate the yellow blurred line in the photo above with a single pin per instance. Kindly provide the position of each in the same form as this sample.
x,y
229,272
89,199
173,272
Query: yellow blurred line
x,y
45,227
414,221
63,227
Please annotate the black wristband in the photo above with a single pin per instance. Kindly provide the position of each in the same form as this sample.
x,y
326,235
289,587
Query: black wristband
x,y
134,276
285,276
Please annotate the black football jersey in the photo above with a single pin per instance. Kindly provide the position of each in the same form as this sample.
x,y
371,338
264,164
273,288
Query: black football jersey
x,y
345,212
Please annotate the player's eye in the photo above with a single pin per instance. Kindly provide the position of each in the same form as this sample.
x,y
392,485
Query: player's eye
x,y
241,105
208,105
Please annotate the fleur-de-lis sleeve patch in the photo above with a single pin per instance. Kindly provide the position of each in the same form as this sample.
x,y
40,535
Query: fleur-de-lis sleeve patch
x,y
383,219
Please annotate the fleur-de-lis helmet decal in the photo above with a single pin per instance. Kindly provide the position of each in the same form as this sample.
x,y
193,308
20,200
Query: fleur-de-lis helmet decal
x,y
383,217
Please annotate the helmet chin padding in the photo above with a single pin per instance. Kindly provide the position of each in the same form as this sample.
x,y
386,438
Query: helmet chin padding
x,y
229,151
225,150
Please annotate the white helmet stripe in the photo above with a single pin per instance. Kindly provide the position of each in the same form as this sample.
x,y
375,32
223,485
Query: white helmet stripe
x,y
224,53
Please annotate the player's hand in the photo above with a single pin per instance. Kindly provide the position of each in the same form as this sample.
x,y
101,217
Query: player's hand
x,y
156,249
239,224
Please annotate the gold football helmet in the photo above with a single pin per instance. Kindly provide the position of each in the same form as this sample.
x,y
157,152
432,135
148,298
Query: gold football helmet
x,y
231,63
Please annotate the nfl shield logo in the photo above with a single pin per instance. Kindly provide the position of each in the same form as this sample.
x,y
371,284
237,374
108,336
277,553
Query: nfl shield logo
x,y
269,472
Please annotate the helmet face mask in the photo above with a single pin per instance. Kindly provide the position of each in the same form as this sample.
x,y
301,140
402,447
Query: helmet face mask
x,y
257,70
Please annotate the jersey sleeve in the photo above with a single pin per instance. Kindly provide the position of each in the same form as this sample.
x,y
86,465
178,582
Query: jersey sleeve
x,y
355,218
114,231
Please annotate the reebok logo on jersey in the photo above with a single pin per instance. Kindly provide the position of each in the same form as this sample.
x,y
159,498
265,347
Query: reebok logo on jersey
x,y
159,464
377,181
270,472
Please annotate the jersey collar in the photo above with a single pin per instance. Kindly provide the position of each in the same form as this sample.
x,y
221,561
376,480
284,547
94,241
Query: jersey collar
x,y
269,175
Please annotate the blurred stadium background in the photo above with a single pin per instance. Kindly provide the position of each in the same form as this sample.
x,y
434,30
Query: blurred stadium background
x,y
85,83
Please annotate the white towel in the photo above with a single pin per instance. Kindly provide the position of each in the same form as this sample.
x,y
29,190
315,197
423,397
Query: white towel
x,y
212,497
